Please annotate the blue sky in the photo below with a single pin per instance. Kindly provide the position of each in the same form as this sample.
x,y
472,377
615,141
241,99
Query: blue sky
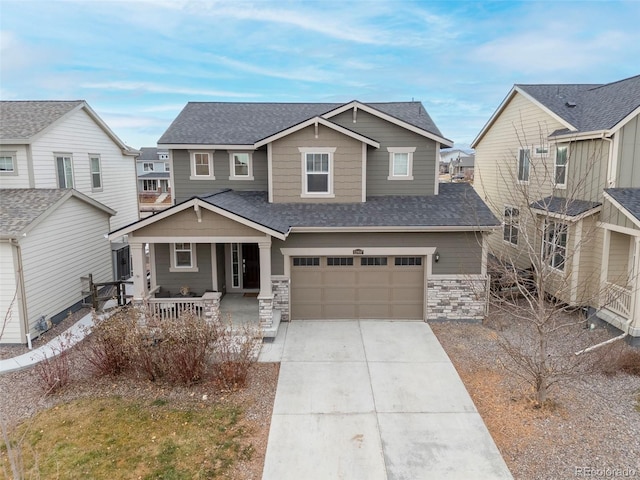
x,y
138,62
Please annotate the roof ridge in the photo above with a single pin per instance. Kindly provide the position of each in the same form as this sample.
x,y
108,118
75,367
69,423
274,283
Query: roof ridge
x,y
613,83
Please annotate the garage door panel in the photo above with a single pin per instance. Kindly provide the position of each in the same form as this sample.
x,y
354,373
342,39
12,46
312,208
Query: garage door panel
x,y
374,294
357,291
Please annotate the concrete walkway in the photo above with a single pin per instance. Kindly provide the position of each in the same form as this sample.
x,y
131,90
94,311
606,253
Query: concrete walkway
x,y
65,340
372,400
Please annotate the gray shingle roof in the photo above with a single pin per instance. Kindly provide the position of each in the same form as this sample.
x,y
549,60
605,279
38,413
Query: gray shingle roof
x,y
564,206
20,207
152,175
246,123
589,107
629,198
457,205
150,153
21,120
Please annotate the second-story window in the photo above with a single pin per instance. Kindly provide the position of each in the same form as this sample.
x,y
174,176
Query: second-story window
x,y
202,166
401,163
241,166
167,168
147,166
8,163
96,172
524,163
64,169
317,172
560,170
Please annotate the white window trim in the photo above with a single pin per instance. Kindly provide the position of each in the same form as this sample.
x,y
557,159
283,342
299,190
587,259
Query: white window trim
x,y
232,167
540,151
511,223
73,176
148,167
523,182
194,260
560,186
14,161
392,151
303,162
99,172
192,154
167,167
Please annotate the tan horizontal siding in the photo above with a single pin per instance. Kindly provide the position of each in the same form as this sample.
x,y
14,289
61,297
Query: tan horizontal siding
x,y
12,331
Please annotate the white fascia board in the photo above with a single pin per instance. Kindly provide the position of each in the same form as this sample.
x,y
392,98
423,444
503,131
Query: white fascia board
x,y
204,146
33,138
126,150
567,218
620,207
193,203
624,121
574,137
321,121
400,229
388,118
515,89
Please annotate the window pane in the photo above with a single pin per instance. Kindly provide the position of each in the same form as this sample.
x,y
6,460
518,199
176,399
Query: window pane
x,y
6,164
183,259
202,164
401,164
523,165
561,156
241,164
318,183
318,162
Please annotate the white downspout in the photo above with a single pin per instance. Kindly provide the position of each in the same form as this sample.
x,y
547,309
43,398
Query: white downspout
x,y
607,342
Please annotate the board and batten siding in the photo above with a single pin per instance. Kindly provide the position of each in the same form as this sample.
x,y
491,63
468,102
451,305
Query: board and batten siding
x,y
80,136
186,188
611,214
629,155
288,170
586,170
12,332
69,244
197,282
460,253
20,177
388,134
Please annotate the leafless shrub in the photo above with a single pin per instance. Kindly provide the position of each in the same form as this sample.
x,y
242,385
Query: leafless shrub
x,y
235,352
107,349
53,370
184,348
623,360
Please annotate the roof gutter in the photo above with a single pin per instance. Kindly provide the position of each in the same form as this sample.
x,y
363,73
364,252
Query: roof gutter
x,y
397,229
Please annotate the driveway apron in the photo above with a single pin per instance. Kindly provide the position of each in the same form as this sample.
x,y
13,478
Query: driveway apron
x,y
370,400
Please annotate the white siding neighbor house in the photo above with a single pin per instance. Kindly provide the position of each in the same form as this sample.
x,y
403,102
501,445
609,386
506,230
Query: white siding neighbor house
x,y
49,240
62,146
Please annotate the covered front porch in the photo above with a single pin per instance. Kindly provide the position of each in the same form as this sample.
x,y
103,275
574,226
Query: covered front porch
x,y
195,258
620,285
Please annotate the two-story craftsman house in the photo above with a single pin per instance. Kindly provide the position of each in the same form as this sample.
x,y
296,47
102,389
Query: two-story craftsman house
x,y
152,168
66,180
324,211
565,160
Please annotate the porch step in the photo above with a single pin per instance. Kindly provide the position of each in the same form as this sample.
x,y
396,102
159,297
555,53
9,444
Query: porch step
x,y
272,331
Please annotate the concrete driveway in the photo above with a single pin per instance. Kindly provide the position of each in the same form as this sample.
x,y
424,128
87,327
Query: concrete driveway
x,y
373,400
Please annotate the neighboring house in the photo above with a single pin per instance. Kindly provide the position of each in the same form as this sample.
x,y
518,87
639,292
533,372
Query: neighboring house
x,y
573,154
65,145
49,240
324,211
154,187
456,161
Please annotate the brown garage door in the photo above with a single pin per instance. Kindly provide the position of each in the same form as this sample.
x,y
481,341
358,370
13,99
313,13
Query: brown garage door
x,y
357,287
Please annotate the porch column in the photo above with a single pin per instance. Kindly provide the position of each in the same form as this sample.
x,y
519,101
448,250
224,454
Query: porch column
x,y
635,287
140,291
604,267
265,297
265,269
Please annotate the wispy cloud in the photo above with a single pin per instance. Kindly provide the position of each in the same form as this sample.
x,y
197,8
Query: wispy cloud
x,y
164,89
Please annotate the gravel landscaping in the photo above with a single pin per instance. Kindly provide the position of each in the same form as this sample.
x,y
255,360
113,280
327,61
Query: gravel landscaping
x,y
591,426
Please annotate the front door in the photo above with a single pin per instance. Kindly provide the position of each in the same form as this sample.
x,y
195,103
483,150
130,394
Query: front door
x,y
250,265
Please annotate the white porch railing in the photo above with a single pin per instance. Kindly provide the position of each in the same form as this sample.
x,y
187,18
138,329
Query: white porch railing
x,y
617,299
172,308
